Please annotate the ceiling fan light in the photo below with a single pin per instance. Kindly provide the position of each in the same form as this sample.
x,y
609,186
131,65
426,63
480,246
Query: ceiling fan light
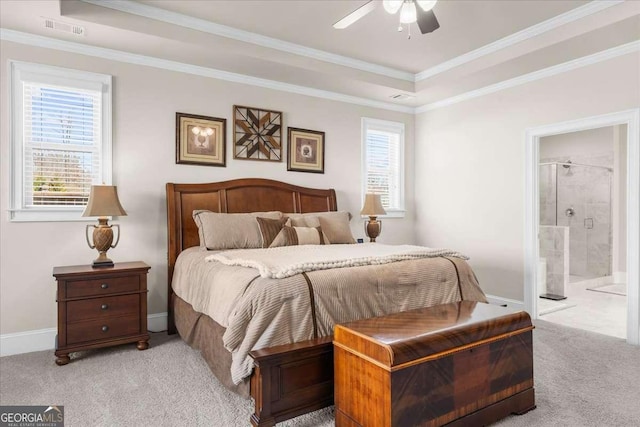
x,y
392,6
408,13
427,5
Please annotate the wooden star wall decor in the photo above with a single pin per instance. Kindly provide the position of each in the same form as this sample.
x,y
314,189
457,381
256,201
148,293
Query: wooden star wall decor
x,y
257,134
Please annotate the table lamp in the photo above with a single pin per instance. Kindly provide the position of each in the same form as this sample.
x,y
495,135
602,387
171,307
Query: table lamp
x,y
372,207
103,202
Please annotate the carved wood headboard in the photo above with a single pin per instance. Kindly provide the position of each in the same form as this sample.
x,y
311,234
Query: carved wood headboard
x,y
235,196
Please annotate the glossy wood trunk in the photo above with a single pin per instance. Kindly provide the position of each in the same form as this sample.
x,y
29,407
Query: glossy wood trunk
x,y
433,366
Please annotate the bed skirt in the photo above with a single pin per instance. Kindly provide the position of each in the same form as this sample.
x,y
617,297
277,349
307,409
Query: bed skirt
x,y
203,333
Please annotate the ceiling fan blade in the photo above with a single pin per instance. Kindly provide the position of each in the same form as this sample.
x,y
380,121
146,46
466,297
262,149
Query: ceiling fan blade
x,y
427,21
355,15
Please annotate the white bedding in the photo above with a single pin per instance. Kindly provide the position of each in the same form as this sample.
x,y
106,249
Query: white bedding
x,y
287,261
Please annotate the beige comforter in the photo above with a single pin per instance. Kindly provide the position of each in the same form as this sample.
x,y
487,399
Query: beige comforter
x,y
262,312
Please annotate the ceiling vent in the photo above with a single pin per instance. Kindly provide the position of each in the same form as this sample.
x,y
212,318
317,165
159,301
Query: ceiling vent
x,y
64,27
401,96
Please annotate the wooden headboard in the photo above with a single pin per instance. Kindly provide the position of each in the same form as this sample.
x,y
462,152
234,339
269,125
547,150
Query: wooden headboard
x,y
235,196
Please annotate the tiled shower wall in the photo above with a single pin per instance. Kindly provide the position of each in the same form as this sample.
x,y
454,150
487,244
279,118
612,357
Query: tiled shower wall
x,y
554,247
548,191
587,190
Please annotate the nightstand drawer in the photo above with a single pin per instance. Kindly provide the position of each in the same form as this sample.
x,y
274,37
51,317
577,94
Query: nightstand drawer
x,y
100,308
105,286
100,329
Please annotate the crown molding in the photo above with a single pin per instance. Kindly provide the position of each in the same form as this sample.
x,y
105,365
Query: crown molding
x,y
536,75
510,40
121,56
150,61
203,25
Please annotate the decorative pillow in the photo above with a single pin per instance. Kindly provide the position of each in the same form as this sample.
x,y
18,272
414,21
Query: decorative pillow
x,y
292,236
230,231
335,225
269,229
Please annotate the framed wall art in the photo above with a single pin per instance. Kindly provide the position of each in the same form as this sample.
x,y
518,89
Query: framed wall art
x,y
305,150
200,140
257,134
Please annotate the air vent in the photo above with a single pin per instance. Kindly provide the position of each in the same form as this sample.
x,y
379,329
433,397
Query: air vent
x,y
401,96
63,26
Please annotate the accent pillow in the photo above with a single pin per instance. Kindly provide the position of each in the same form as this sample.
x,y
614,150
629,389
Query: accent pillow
x,y
269,229
230,231
335,225
292,236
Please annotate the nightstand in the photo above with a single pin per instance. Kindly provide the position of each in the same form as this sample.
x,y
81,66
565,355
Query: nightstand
x,y
101,307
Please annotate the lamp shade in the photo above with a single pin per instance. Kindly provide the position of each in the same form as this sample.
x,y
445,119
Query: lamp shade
x,y
103,201
427,5
372,205
392,6
408,13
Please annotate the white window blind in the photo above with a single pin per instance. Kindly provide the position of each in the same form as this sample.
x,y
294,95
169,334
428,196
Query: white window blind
x,y
61,140
61,131
383,163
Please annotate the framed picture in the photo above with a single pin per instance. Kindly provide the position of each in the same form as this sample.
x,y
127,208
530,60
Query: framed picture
x,y
200,140
305,150
257,134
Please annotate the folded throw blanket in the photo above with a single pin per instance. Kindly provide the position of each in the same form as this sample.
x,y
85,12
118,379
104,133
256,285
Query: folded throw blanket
x,y
286,261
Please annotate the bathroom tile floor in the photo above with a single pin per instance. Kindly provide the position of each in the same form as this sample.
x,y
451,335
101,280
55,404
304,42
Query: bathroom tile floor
x,y
599,312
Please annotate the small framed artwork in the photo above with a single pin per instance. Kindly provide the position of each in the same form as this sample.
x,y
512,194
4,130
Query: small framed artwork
x,y
200,140
305,150
257,134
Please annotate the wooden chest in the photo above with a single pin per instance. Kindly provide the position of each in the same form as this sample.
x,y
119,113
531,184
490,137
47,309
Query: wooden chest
x,y
466,363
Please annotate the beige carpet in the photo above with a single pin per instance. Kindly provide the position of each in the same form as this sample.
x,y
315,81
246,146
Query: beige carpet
x,y
582,379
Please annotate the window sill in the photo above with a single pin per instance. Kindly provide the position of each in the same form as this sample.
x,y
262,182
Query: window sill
x,y
396,213
47,215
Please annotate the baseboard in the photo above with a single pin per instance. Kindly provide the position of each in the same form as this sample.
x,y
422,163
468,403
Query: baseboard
x,y
45,339
157,322
511,303
26,342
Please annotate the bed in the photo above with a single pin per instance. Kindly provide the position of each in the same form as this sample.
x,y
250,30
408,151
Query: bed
x,y
295,376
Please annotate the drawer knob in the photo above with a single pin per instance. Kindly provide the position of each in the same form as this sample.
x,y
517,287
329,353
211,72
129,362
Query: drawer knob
x,y
105,328
104,286
104,306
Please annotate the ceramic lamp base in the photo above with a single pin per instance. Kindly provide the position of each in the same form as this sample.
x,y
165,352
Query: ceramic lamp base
x,y
372,228
102,241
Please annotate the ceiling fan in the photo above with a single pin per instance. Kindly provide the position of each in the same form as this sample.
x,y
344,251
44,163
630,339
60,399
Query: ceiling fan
x,y
410,11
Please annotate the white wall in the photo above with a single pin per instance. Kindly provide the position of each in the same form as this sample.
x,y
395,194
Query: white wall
x,y
470,163
587,143
145,101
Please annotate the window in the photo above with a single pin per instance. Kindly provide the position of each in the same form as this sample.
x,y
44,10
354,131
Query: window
x,y
383,163
61,140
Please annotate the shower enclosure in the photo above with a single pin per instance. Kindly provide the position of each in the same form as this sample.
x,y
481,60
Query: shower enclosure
x,y
576,197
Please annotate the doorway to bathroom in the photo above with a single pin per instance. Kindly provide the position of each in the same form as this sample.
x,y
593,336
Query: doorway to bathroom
x,y
582,237
625,220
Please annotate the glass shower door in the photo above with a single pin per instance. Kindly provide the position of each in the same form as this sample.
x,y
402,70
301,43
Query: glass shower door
x,y
572,196
598,222
584,205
